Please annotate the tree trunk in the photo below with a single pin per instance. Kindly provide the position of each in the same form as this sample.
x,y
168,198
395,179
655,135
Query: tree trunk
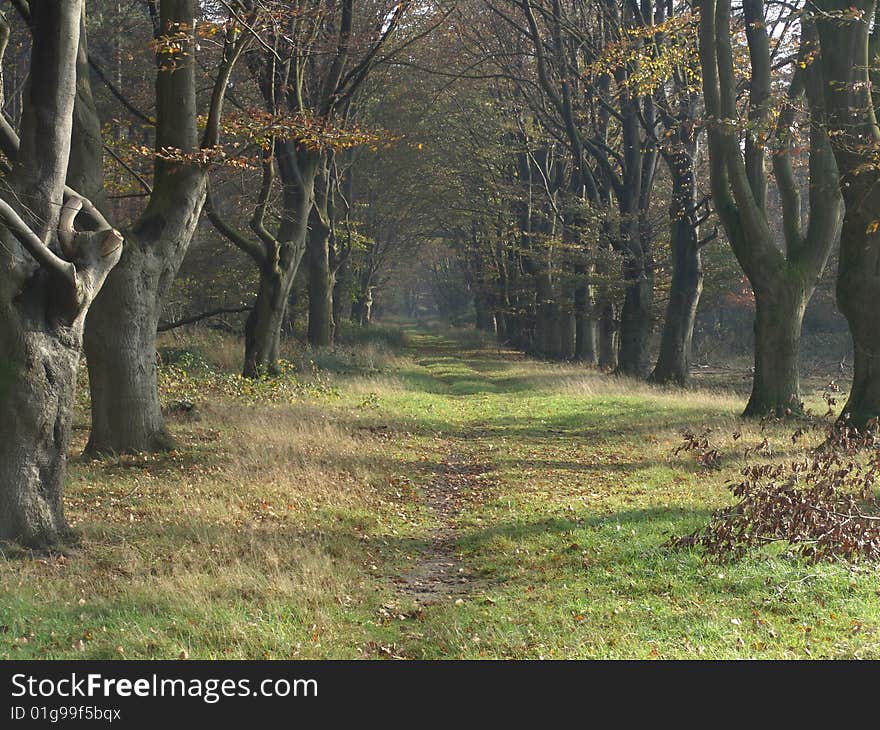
x,y
858,291
567,334
120,338
262,332
586,327
321,281
848,50
320,332
52,273
635,244
586,339
863,405
635,318
676,341
608,345
367,312
120,345
483,310
674,361
778,317
341,296
500,319
548,325
37,387
515,328
548,331
607,323
361,308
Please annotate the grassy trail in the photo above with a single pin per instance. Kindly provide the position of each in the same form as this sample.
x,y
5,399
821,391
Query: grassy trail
x,y
449,501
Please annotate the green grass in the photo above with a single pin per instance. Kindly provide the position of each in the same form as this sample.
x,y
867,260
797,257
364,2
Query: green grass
x,y
281,530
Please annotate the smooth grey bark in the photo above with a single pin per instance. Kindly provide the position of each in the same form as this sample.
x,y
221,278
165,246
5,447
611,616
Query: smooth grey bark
x,y
120,337
85,172
53,275
123,371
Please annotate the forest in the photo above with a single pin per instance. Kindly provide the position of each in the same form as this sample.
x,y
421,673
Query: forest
x,y
439,329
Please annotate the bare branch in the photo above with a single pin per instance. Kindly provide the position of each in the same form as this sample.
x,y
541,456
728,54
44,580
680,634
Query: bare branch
x,y
35,247
130,170
251,248
166,326
111,87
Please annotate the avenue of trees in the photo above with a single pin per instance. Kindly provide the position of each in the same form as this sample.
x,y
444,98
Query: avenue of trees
x,y
569,174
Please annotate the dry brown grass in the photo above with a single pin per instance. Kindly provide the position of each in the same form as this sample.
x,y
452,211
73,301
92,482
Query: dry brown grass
x,y
244,543
223,350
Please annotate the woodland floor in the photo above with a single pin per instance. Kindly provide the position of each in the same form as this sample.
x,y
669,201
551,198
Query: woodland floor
x,y
429,498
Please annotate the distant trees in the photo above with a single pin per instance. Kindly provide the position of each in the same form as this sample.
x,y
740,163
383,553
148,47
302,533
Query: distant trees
x,y
597,94
561,232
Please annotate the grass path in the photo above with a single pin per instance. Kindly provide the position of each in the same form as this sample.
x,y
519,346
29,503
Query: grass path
x,y
450,501
560,529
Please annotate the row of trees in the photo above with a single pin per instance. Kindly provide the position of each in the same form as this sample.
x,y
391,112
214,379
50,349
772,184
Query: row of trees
x,y
70,284
628,135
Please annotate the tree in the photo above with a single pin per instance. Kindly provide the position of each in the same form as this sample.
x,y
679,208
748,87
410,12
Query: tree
x,y
679,112
54,272
314,61
783,279
849,39
120,337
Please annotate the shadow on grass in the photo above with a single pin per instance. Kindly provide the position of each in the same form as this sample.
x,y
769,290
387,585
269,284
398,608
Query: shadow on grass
x,y
653,517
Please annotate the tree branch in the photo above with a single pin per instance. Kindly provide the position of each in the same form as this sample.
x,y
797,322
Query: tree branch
x,y
166,326
251,248
35,247
111,87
